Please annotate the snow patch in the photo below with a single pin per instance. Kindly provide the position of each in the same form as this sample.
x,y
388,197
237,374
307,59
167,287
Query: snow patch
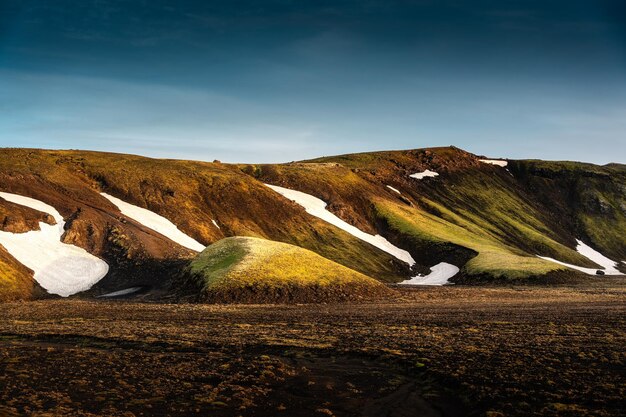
x,y
440,275
609,267
215,224
316,207
420,175
155,222
120,292
394,189
494,162
59,268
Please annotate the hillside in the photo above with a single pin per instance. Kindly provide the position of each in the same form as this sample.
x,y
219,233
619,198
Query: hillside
x,y
253,270
387,215
491,219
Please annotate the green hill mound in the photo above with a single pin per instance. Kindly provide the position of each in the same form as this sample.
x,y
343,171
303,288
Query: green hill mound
x,y
253,270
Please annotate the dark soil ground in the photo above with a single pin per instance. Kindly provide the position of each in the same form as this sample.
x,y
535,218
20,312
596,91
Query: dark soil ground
x,y
452,351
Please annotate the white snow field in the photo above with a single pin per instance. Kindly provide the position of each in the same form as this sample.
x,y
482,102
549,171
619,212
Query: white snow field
x,y
592,254
59,268
494,162
427,173
120,292
316,207
394,189
155,222
440,274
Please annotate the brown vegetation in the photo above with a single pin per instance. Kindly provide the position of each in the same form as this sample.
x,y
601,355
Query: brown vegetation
x,y
455,351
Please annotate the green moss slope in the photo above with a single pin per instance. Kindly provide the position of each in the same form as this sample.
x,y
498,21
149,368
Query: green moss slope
x,y
590,199
245,269
489,220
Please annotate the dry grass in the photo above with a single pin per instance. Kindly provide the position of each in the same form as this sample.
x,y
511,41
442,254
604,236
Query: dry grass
x,y
265,267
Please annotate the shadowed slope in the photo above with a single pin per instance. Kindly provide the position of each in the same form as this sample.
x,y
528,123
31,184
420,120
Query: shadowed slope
x,y
590,199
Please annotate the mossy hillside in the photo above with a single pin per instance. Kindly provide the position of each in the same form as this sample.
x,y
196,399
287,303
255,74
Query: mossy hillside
x,y
490,205
191,194
481,207
249,269
346,192
591,198
348,183
494,258
541,210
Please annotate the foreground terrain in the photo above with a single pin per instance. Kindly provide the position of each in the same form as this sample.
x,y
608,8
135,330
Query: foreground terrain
x,y
450,351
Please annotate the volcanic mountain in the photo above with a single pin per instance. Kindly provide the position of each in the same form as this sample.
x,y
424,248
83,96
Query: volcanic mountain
x,y
91,224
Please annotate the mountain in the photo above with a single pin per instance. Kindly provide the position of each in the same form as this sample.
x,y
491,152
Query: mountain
x,y
134,222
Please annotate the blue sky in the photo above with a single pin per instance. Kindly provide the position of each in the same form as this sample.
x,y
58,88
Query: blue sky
x,y
272,81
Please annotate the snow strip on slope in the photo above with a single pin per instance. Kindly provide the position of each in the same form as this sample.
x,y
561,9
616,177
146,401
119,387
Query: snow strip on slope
x,y
155,222
440,274
59,268
590,253
494,162
316,207
394,189
427,173
120,292
215,224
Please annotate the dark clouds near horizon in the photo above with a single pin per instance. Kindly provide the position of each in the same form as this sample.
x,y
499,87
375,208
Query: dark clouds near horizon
x,y
282,80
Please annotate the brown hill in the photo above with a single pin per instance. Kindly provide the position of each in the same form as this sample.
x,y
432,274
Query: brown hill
x,y
489,220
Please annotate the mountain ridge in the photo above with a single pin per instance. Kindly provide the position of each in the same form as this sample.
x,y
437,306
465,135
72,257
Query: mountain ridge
x,y
489,220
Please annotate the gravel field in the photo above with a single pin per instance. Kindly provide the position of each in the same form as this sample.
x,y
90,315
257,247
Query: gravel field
x,y
450,351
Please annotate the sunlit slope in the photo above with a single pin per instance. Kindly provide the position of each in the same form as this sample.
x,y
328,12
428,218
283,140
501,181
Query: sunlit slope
x,y
473,214
15,279
489,220
207,201
245,269
16,282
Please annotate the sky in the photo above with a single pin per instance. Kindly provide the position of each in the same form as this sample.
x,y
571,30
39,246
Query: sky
x,y
283,80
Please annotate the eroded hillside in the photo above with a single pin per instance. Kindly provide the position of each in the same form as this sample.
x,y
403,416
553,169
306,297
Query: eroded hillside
x,y
489,219
207,201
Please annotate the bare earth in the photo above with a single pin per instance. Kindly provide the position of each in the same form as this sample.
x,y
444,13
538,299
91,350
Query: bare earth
x,y
450,351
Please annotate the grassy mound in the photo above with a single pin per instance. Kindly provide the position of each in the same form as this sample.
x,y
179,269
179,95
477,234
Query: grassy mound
x,y
253,270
